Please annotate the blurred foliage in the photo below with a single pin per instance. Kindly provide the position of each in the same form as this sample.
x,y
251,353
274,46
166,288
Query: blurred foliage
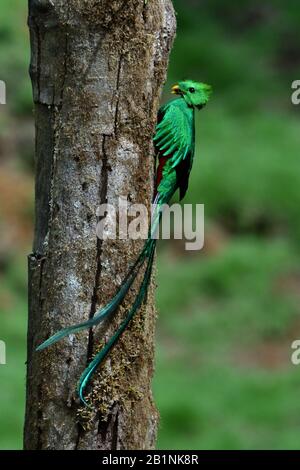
x,y
228,314
14,55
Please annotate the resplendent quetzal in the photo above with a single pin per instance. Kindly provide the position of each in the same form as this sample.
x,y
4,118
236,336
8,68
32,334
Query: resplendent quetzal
x,y
174,144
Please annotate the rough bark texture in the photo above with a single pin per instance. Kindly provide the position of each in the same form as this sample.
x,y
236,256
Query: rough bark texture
x,y
97,68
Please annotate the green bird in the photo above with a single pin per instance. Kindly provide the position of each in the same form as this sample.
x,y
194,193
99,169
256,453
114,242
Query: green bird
x,y
174,141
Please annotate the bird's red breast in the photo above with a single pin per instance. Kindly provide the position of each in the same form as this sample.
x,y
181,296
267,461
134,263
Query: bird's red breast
x,y
159,172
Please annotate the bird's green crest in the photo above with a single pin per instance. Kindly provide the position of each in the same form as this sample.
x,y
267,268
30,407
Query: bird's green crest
x,y
196,94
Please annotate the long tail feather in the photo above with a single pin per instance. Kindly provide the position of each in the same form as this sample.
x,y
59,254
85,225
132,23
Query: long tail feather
x,y
103,312
118,298
105,350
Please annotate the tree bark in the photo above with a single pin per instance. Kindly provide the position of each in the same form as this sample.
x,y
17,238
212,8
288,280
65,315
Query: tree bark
x,y
97,68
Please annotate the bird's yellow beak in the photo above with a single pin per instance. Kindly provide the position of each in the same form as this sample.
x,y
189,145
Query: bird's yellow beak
x,y
175,89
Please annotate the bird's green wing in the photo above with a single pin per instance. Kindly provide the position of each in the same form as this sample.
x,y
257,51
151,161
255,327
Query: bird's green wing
x,y
175,142
174,135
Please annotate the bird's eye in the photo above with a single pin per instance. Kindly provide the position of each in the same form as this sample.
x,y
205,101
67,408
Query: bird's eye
x,y
192,90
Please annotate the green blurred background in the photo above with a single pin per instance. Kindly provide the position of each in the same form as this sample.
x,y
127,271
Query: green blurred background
x,y
229,313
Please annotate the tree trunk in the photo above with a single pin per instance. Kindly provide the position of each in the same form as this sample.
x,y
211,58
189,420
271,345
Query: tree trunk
x,y
97,68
